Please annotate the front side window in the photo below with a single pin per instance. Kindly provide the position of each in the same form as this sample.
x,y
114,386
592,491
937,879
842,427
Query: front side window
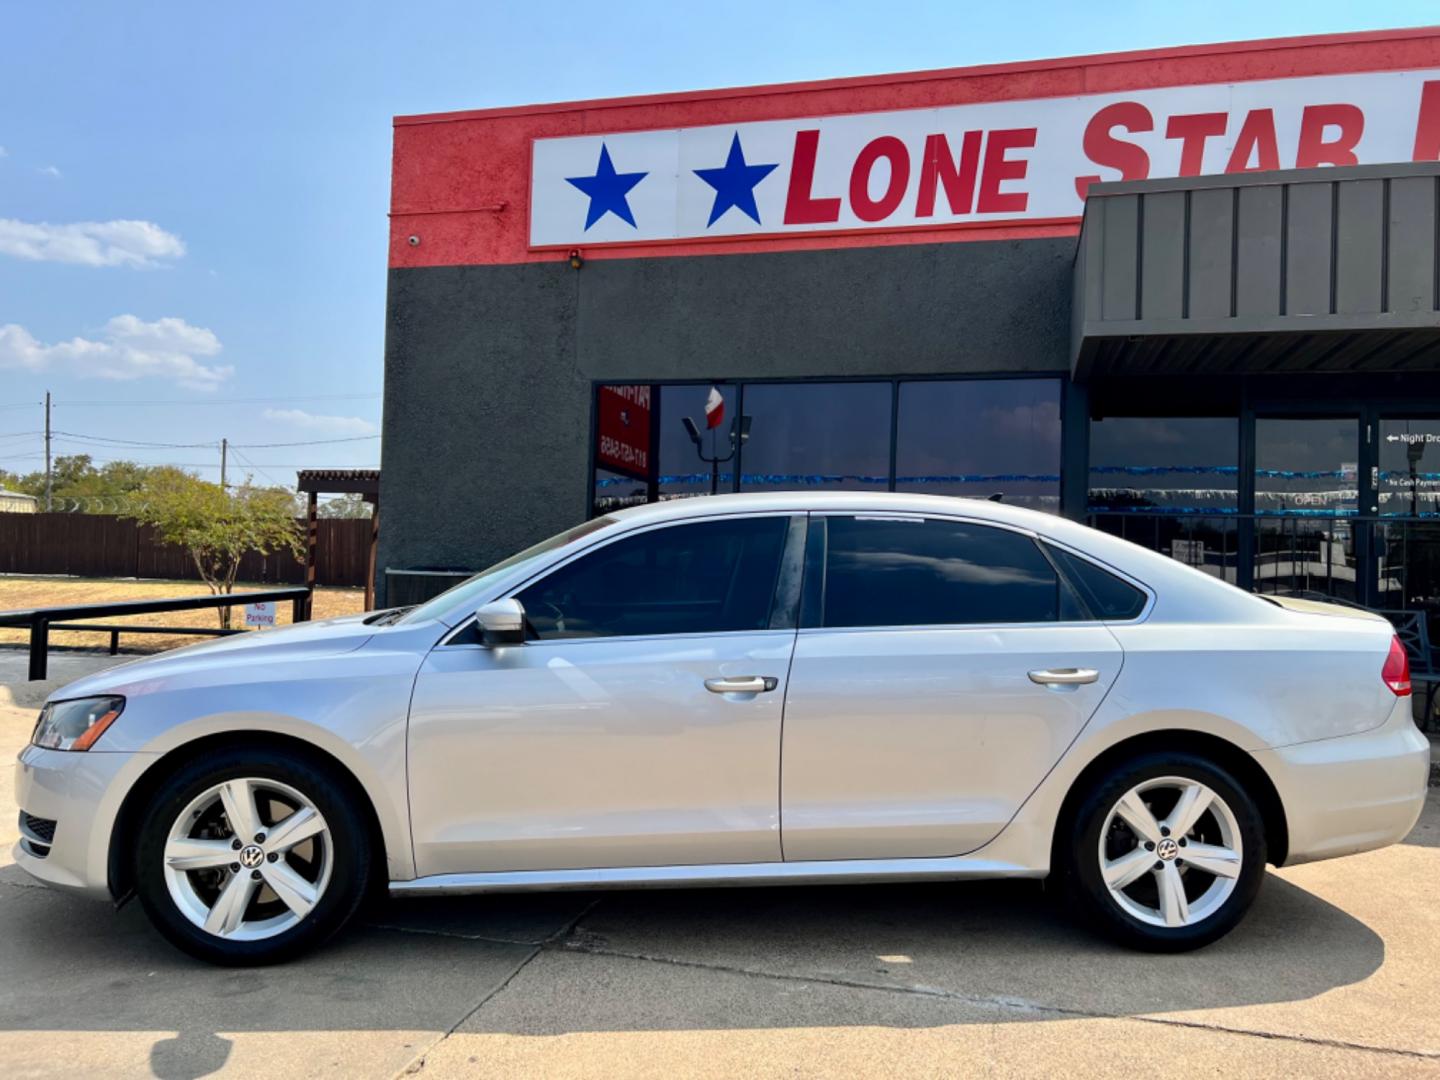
x,y
698,578
925,572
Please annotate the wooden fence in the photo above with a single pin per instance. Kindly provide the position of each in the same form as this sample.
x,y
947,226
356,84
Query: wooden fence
x,y
100,545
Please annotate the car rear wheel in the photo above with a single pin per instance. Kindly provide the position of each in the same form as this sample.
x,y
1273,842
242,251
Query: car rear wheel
x,y
1166,852
248,859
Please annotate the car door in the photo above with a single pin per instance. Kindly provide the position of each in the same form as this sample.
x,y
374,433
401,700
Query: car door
x,y
941,669
639,724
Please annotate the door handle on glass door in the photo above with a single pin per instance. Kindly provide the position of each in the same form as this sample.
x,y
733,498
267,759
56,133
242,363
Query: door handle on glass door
x,y
1067,676
742,684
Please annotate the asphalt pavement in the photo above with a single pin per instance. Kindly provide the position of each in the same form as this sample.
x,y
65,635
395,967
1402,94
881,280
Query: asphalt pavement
x,y
1336,972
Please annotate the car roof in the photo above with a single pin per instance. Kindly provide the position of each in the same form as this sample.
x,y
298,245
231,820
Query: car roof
x,y
804,501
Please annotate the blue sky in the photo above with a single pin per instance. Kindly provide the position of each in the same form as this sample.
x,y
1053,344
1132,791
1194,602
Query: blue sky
x,y
193,198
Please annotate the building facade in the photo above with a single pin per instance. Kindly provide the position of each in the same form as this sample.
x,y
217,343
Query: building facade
x,y
1190,296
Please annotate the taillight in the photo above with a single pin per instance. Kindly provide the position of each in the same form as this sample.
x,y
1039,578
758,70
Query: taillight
x,y
1396,672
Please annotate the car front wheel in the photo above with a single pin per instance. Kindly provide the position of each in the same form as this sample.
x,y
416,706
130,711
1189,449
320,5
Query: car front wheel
x,y
1166,852
246,859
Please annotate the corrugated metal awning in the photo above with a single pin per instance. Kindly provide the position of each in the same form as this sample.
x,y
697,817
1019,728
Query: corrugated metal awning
x,y
1303,270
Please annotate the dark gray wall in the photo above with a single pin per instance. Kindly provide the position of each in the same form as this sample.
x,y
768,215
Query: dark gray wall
x,y
489,370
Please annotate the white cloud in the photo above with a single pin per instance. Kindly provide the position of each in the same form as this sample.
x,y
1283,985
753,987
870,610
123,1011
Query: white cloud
x,y
128,348
330,425
90,243
49,170
4,152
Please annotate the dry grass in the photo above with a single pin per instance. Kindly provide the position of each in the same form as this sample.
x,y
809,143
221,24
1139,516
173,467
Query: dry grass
x,y
28,592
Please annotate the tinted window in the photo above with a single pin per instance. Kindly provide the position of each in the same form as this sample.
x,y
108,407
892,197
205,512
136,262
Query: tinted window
x,y
683,471
684,579
1104,594
894,572
980,437
816,436
1154,463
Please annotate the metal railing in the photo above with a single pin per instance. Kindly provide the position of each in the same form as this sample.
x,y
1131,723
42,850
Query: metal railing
x,y
42,621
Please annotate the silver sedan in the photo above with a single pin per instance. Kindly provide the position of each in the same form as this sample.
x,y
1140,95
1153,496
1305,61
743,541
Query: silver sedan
x,y
747,689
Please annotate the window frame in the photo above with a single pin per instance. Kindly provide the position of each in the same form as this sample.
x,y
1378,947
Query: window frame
x,y
785,602
812,607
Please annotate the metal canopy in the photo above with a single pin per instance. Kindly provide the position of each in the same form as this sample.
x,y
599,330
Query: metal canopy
x,y
1306,270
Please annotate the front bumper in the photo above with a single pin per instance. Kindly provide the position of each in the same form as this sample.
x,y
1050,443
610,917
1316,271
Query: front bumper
x,y
82,793
1352,793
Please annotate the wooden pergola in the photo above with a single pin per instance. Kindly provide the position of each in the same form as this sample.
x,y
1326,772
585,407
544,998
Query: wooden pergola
x,y
362,482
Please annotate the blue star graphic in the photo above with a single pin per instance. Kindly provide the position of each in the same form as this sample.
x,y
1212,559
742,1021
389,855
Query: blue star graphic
x,y
607,190
734,184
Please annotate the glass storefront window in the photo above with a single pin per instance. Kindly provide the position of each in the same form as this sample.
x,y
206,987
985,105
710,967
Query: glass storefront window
x,y
1407,485
1190,464
683,471
1408,482
1307,483
1171,484
980,437
817,436
1307,466
615,491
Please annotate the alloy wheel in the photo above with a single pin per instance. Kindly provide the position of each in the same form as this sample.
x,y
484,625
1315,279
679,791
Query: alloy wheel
x,y
1170,852
248,859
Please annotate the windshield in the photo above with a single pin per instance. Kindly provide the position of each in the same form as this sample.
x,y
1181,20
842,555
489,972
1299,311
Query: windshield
x,y
472,588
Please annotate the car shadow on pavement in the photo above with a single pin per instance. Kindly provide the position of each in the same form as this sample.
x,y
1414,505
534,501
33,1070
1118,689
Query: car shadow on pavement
x,y
979,952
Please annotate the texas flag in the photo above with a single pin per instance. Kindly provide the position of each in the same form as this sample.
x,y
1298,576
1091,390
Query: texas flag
x,y
714,409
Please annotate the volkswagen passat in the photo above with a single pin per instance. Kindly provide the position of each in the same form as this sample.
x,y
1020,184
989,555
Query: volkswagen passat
x,y
746,689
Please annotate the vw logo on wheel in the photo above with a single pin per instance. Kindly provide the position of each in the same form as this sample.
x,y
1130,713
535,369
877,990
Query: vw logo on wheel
x,y
1167,849
252,856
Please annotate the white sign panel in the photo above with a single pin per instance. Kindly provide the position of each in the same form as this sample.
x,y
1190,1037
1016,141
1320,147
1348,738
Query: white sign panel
x,y
261,614
1000,161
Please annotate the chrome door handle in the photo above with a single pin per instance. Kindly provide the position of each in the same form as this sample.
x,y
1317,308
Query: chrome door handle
x,y
742,684
1065,676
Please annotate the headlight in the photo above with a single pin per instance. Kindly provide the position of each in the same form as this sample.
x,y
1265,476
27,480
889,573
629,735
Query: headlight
x,y
75,725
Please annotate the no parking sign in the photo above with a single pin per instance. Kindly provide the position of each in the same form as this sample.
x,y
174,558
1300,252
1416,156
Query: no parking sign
x,y
261,614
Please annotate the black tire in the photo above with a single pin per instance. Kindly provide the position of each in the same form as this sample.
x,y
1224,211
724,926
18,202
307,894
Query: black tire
x,y
350,853
1079,857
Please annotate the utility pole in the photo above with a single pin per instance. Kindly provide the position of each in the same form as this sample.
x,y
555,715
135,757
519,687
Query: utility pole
x,y
224,449
49,477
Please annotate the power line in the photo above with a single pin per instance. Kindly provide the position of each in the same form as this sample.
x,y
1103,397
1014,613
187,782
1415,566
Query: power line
x,y
111,403
106,440
304,442
246,461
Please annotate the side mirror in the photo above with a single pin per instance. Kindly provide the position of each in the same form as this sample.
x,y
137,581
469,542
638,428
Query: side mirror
x,y
501,622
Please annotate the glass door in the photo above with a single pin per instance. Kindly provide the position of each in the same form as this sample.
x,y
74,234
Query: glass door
x,y
1407,504
1307,498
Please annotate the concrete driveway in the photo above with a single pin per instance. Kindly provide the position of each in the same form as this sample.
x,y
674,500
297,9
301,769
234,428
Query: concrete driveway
x,y
1336,972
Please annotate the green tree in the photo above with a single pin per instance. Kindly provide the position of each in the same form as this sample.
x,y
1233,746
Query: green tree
x,y
77,485
345,506
218,527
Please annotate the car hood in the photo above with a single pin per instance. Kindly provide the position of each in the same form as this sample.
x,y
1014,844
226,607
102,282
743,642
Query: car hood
x,y
328,637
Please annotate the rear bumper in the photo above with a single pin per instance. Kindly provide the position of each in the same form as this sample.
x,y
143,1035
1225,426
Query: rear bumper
x,y
1352,793
82,793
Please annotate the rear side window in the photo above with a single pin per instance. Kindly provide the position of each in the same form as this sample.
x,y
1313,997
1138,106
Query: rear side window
x,y
1104,594
705,577
928,572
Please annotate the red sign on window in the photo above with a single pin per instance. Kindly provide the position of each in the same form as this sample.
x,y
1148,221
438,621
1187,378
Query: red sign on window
x,y
623,430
